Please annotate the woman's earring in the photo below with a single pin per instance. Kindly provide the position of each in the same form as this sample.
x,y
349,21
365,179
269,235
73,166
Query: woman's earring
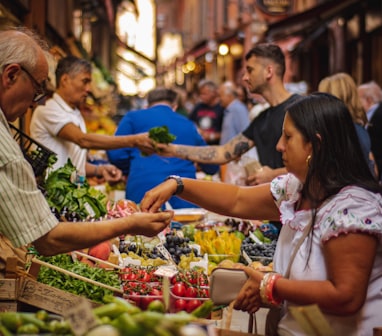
x,y
308,159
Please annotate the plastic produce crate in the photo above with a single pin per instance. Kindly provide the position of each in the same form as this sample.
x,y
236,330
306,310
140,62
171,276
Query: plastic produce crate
x,y
35,153
188,304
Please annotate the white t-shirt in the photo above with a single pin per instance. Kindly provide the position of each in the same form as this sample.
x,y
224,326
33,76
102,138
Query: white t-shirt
x,y
48,120
353,209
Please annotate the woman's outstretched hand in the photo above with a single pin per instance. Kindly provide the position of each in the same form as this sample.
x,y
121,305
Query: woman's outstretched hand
x,y
159,195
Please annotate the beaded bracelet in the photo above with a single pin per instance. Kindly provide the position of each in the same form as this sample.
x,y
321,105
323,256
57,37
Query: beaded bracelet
x,y
266,288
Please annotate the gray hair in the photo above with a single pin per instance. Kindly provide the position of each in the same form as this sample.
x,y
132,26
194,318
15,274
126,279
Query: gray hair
x,y
21,46
229,88
207,83
372,91
71,65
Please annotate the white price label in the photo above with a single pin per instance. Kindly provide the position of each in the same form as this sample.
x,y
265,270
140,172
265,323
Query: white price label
x,y
246,257
165,253
254,238
89,209
167,271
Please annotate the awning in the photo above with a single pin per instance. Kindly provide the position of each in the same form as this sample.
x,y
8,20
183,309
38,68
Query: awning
x,y
314,20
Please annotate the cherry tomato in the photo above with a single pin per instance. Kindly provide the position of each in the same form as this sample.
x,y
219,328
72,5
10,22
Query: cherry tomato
x,y
180,304
132,276
179,289
156,292
203,293
124,276
191,292
192,305
145,277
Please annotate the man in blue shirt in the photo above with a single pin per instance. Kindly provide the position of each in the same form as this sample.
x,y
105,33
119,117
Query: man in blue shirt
x,y
145,172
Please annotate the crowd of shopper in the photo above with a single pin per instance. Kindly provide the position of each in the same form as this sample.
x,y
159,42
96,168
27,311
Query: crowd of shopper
x,y
321,157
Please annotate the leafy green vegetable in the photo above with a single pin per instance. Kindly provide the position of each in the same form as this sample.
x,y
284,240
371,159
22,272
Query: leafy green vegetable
x,y
161,134
67,283
62,192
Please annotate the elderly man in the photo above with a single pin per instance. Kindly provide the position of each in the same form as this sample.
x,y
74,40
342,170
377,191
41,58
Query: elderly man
x,y
25,216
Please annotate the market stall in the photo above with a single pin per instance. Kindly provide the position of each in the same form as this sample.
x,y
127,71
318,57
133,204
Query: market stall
x,y
168,274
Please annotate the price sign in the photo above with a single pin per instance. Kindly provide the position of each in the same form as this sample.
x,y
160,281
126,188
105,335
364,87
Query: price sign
x,y
165,253
254,238
81,317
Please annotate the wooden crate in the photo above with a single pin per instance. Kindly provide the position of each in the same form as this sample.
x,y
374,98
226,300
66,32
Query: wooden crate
x,y
9,289
47,297
8,306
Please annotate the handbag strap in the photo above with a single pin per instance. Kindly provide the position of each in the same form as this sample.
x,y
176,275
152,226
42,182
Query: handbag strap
x,y
299,243
302,238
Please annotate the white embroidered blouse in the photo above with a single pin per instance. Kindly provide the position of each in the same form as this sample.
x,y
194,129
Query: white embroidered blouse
x,y
353,209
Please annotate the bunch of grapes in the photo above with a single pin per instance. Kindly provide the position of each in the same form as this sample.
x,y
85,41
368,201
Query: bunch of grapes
x,y
178,246
255,250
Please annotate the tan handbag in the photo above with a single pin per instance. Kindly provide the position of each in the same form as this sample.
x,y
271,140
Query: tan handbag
x,y
225,284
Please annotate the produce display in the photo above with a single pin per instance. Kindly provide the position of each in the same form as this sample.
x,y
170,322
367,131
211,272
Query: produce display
x,y
115,317
193,250
258,250
69,284
71,199
219,246
189,290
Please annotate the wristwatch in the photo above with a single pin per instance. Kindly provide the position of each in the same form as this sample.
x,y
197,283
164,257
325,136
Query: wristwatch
x,y
179,183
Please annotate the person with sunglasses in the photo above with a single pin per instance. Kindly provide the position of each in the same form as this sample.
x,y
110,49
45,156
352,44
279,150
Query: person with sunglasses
x,y
25,216
40,90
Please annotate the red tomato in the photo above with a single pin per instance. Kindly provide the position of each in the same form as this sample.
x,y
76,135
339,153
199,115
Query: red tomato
x,y
180,304
203,280
191,292
156,292
179,289
124,276
203,293
145,277
132,276
192,305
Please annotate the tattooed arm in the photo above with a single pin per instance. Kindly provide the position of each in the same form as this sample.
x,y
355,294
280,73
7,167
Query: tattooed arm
x,y
210,154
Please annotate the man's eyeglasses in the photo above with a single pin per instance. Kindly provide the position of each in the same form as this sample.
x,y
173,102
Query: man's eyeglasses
x,y
39,88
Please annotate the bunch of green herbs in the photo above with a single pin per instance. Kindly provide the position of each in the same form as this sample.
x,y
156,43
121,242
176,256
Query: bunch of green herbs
x,y
72,285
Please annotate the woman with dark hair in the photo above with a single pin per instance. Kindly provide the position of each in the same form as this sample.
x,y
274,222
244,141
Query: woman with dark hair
x,y
330,206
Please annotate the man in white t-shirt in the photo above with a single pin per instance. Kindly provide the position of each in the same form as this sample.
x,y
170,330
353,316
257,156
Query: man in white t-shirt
x,y
60,126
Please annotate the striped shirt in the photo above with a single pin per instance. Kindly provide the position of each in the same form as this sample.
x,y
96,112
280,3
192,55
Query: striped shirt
x,y
24,212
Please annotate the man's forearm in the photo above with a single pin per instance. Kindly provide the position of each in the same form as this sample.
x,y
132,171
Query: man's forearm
x,y
207,154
